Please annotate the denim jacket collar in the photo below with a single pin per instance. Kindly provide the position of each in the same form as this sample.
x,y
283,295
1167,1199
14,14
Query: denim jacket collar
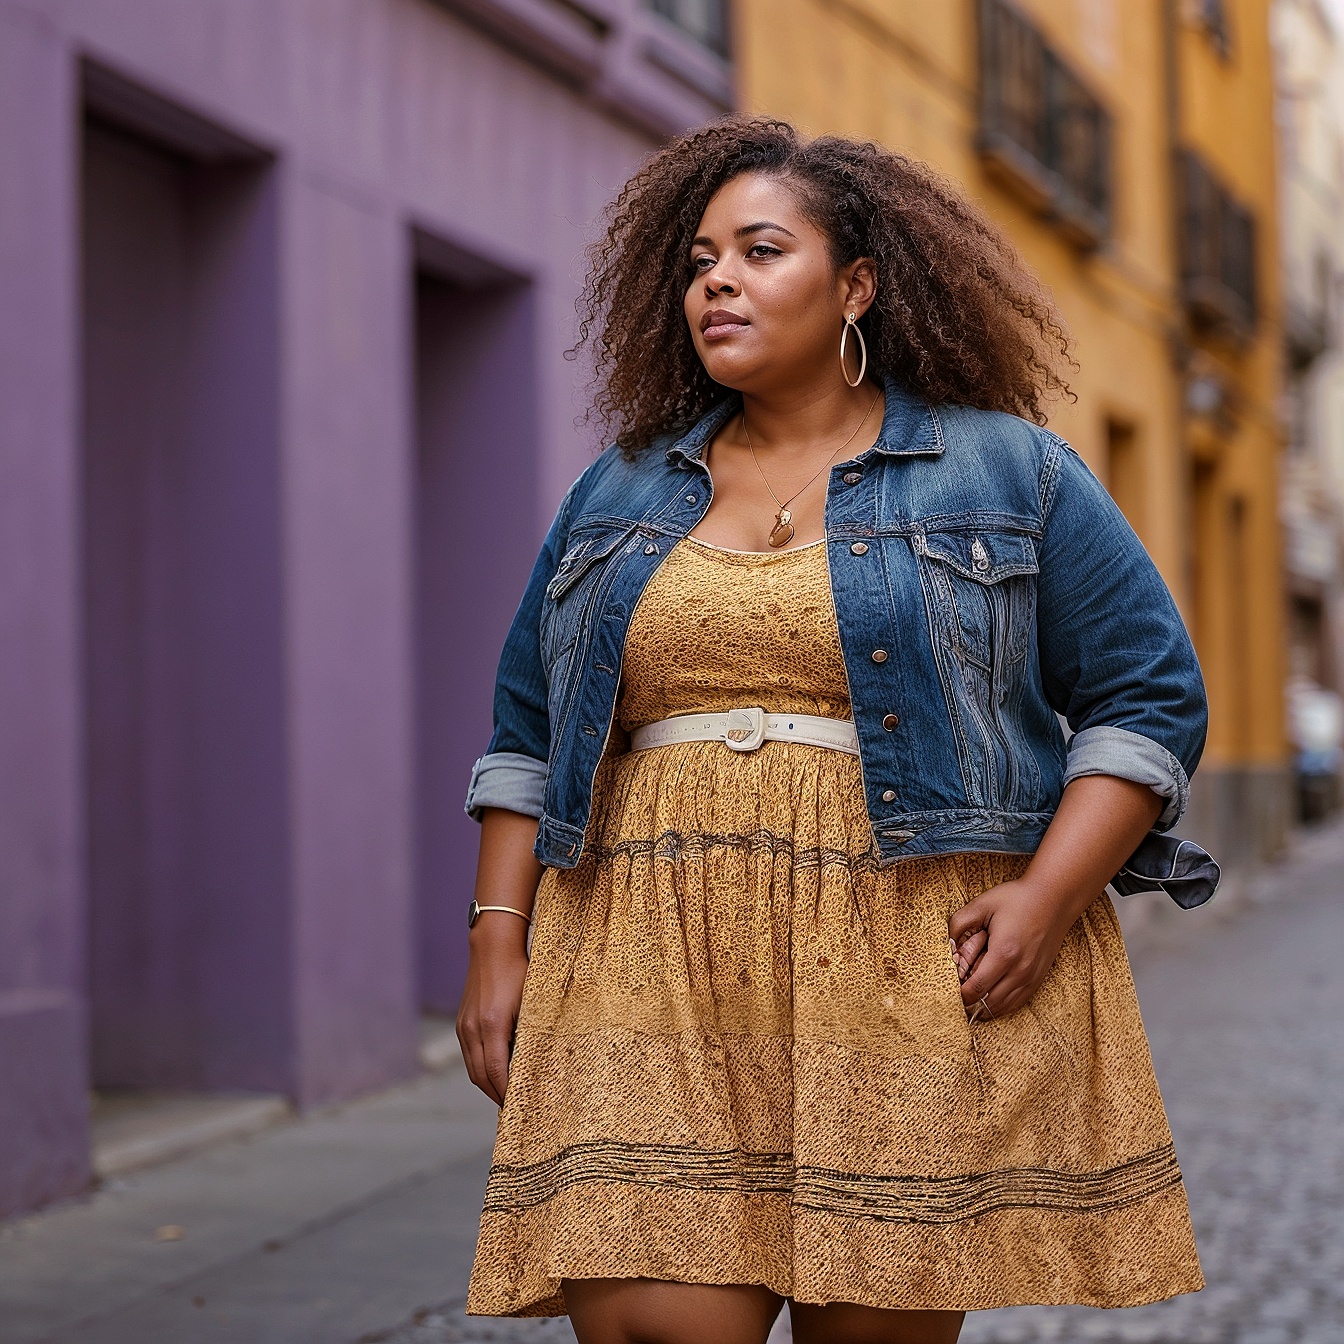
x,y
909,426
691,446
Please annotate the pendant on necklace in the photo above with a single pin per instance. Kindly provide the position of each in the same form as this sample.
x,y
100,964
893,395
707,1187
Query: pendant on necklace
x,y
782,532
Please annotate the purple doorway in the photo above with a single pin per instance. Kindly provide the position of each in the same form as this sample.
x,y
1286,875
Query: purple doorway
x,y
477,473
188,941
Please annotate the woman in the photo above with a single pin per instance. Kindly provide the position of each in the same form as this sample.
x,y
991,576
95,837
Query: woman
x,y
825,1002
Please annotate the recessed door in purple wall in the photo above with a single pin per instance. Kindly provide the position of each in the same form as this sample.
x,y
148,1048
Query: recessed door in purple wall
x,y
188,947
477,446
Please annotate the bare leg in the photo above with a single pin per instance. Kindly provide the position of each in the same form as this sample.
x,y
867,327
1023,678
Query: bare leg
x,y
649,1311
845,1323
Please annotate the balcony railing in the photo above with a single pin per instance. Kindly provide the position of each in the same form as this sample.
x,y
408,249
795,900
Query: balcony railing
x,y
660,63
1041,127
1217,250
704,20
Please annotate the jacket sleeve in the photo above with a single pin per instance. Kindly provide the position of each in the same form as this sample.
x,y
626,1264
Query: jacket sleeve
x,y
512,773
1116,660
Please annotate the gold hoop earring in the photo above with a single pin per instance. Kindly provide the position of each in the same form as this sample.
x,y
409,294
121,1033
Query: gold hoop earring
x,y
851,320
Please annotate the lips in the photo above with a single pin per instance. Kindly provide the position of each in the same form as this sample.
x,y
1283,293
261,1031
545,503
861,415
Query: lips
x,y
720,322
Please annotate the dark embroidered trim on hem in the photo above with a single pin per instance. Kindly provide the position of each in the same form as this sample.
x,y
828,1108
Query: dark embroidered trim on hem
x,y
904,1199
674,845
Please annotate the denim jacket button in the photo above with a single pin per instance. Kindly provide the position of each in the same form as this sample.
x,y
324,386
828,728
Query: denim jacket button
x,y
650,549
852,477
859,548
889,796
880,655
890,722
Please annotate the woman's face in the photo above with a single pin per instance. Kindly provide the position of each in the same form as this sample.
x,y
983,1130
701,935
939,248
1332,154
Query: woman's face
x,y
765,305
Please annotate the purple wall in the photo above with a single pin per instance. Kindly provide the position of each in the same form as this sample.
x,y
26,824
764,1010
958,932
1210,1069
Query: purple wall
x,y
43,1069
273,476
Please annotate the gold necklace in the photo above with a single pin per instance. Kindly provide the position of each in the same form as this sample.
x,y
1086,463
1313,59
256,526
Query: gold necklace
x,y
782,532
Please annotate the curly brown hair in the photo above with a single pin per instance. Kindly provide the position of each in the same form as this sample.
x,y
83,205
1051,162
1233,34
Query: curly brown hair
x,y
957,317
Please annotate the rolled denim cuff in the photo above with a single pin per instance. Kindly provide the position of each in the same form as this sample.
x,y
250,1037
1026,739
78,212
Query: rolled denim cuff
x,y
509,780
1104,750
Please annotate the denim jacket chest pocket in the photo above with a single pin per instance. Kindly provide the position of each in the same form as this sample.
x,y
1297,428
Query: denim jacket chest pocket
x,y
980,591
980,586
572,594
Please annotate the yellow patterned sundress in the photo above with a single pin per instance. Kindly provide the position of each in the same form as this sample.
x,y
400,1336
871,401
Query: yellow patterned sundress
x,y
742,1055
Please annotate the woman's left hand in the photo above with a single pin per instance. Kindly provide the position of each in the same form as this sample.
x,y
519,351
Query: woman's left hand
x,y
1006,939
1005,942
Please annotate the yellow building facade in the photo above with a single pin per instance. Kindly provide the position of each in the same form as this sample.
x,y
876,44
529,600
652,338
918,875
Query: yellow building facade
x,y
1127,146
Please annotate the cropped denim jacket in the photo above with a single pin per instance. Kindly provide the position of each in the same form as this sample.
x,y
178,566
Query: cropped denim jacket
x,y
984,582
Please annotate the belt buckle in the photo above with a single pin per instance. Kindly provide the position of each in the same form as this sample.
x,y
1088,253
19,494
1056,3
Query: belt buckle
x,y
746,728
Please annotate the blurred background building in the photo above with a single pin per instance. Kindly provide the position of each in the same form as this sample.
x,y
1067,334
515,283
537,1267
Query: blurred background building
x,y
284,291
285,287
1310,51
1128,149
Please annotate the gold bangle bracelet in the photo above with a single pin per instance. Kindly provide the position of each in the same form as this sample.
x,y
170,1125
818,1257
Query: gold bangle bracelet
x,y
475,911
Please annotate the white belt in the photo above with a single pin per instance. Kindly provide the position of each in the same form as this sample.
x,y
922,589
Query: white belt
x,y
746,729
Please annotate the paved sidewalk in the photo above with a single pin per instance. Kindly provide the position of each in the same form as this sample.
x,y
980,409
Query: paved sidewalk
x,y
314,1233
356,1227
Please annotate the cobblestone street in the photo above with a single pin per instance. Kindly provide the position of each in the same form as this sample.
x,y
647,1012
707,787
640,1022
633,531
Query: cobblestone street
x,y
1244,1006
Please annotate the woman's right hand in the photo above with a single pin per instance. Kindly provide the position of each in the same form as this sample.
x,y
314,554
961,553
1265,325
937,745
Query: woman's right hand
x,y
490,1001
507,873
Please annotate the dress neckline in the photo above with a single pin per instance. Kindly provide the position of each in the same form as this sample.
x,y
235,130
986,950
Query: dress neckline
x,y
763,555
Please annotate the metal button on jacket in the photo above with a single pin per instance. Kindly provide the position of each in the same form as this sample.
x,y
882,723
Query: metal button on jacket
x,y
879,655
889,796
891,721
852,477
859,548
